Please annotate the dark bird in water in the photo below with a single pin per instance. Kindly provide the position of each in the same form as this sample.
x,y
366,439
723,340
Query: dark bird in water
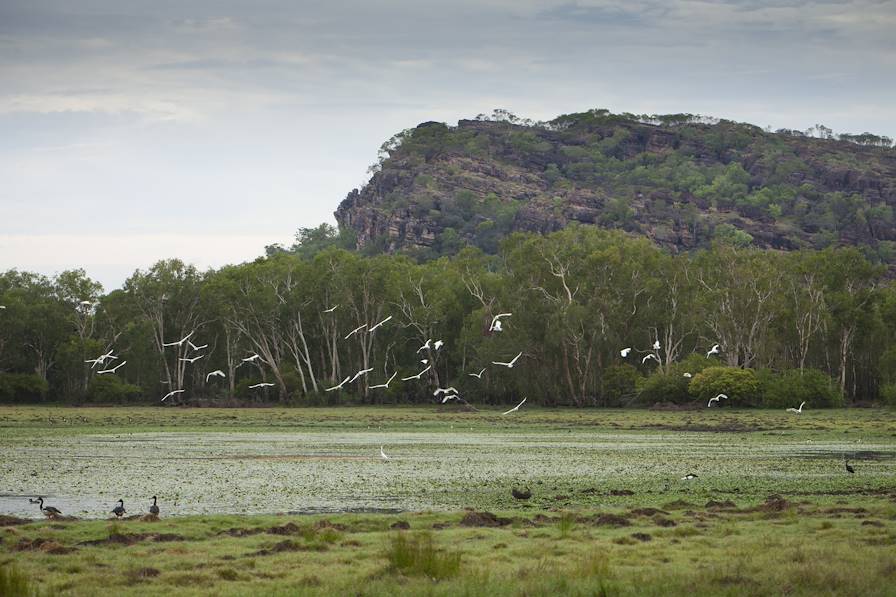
x,y
154,509
521,494
849,469
49,511
688,477
119,510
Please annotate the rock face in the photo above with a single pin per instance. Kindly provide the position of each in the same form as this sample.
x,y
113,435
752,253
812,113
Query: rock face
x,y
683,185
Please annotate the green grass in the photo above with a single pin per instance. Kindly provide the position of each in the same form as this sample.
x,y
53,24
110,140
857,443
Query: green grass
x,y
609,514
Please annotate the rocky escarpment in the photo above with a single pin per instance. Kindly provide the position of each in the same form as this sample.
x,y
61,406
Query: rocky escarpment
x,y
439,188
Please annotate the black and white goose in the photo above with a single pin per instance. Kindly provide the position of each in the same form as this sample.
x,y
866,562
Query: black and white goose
x,y
49,511
119,510
154,509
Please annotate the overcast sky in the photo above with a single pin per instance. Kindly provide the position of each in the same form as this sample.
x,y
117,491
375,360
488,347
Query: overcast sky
x,y
135,130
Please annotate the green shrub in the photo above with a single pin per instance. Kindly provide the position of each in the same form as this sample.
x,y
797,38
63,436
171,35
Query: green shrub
x,y
740,385
674,386
22,387
418,556
888,394
106,389
792,387
619,384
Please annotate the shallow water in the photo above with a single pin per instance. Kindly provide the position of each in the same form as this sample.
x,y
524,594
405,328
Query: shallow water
x,y
259,472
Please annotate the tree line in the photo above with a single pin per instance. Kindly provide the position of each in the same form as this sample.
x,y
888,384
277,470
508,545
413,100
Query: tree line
x,y
816,325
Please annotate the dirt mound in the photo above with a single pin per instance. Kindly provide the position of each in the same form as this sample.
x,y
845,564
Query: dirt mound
x,y
44,545
841,510
611,520
238,532
621,492
679,505
321,525
283,546
483,519
287,529
131,539
642,537
142,574
773,503
714,505
872,523
9,521
400,525
541,519
661,521
646,512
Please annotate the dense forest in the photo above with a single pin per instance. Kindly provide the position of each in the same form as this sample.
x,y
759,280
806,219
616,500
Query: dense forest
x,y
682,180
791,326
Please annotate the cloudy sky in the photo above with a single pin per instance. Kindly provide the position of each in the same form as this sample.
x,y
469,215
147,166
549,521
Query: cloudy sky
x,y
134,130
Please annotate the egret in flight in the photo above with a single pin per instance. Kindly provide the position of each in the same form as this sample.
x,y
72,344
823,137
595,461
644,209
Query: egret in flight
x,y
713,350
798,411
359,374
687,375
113,369
418,376
354,331
426,345
170,394
193,360
194,347
515,408
449,390
251,359
650,356
477,375
331,309
438,344
385,385
380,323
656,345
215,373
181,341
624,352
339,387
510,364
496,322
261,385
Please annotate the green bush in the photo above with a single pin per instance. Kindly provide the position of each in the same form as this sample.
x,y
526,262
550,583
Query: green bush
x,y
888,394
740,385
105,389
790,388
674,386
22,387
619,384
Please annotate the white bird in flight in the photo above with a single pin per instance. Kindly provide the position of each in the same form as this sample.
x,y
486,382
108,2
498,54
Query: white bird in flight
x,y
251,359
418,376
510,364
650,356
360,373
339,387
424,361
101,359
385,385
380,323
331,309
2,306
215,373
383,454
798,411
624,352
194,347
448,390
354,331
713,350
425,346
496,322
170,394
181,341
438,344
656,345
687,375
711,400
113,369
261,385
477,375
193,360
515,408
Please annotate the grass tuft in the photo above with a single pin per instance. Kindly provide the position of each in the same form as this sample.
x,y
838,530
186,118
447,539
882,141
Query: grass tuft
x,y
14,583
418,556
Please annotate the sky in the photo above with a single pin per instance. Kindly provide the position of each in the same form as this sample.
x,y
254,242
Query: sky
x,y
138,130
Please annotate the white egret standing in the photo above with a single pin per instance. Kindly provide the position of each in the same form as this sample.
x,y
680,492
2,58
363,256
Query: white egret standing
x,y
383,454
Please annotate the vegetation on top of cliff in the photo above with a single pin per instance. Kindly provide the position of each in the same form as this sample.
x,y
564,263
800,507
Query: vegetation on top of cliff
x,y
682,180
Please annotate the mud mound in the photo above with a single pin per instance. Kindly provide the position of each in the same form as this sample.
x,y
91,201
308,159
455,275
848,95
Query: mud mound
x,y
44,545
611,520
714,505
131,539
238,532
646,512
642,537
483,519
679,505
287,529
321,525
773,503
661,521
9,521
621,492
283,546
400,525
872,523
